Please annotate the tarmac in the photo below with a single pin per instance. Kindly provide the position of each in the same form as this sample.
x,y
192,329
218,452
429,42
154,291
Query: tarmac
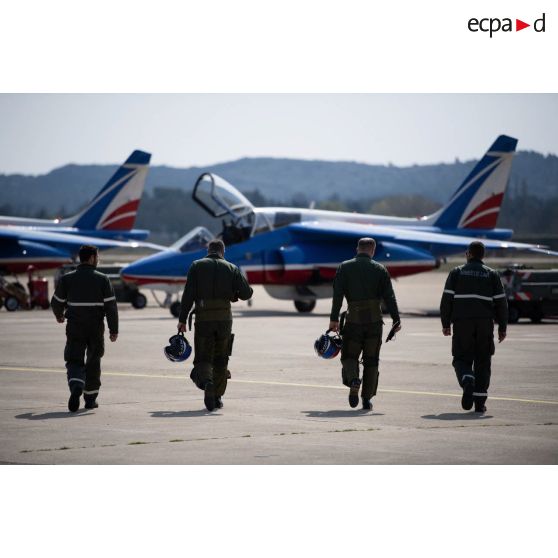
x,y
283,405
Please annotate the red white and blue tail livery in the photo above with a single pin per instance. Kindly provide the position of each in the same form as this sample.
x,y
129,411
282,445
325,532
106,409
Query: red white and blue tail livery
x,y
115,207
476,203
472,210
107,221
110,214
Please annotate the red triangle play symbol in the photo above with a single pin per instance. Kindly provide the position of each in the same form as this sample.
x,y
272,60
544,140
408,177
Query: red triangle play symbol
x,y
519,25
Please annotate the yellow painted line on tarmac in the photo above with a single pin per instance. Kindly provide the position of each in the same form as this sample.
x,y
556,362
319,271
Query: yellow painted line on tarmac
x,y
58,371
406,392
270,383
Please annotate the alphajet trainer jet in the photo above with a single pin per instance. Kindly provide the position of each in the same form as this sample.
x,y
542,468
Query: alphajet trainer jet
x,y
473,209
110,214
294,253
107,221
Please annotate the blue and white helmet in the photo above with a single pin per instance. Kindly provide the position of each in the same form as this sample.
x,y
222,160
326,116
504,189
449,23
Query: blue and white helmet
x,y
178,349
327,346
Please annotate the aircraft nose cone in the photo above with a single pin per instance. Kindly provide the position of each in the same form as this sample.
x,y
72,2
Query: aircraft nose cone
x,y
141,269
130,272
168,267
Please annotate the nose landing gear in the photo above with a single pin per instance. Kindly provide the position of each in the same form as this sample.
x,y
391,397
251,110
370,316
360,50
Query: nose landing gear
x,y
305,306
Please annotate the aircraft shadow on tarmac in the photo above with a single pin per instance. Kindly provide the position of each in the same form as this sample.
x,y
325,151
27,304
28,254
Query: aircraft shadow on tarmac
x,y
340,413
183,414
457,416
54,415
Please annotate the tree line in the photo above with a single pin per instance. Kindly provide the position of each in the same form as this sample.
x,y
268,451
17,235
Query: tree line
x,y
170,212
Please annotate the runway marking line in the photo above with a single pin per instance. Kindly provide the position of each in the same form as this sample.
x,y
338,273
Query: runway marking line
x,y
271,383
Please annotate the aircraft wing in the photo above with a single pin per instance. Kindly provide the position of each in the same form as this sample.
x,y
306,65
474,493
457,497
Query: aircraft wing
x,y
437,243
70,242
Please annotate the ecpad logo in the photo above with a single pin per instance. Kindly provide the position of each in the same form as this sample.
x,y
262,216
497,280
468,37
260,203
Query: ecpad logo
x,y
494,24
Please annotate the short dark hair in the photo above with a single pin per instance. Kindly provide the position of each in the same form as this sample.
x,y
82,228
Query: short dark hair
x,y
476,250
366,243
86,251
216,245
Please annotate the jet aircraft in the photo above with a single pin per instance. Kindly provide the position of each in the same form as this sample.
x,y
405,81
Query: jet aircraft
x,y
472,210
110,214
294,253
106,221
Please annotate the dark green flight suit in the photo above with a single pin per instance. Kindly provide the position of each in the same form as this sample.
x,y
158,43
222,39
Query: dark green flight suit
x,y
364,283
84,297
212,284
473,296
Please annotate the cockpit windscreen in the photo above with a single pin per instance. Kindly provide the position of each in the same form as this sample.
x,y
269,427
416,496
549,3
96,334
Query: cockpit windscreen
x,y
220,199
197,239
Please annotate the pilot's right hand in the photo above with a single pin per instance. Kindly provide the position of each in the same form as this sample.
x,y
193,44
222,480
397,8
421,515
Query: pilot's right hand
x,y
181,327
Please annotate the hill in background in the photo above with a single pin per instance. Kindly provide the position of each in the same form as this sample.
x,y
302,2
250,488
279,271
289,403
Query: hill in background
x,y
531,203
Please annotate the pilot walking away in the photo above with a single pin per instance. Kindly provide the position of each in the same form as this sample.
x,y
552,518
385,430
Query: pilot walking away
x,y
84,297
212,284
364,283
473,296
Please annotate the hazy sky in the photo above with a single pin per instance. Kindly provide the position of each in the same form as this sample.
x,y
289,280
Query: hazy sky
x,y
41,132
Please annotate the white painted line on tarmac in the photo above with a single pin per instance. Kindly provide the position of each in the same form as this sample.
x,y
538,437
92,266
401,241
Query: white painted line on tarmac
x,y
270,383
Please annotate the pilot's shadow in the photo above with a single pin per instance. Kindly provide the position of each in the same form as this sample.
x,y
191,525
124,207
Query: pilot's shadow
x,y
341,413
54,415
183,414
457,416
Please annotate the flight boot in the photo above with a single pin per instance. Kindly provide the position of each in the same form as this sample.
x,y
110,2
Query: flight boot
x,y
353,393
75,394
209,396
367,404
467,397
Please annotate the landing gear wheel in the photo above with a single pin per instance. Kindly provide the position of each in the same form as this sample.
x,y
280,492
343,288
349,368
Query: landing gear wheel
x,y
513,315
305,306
139,301
536,316
175,308
11,303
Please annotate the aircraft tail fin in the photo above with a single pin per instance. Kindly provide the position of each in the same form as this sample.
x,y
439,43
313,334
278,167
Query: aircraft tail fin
x,y
476,203
115,207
